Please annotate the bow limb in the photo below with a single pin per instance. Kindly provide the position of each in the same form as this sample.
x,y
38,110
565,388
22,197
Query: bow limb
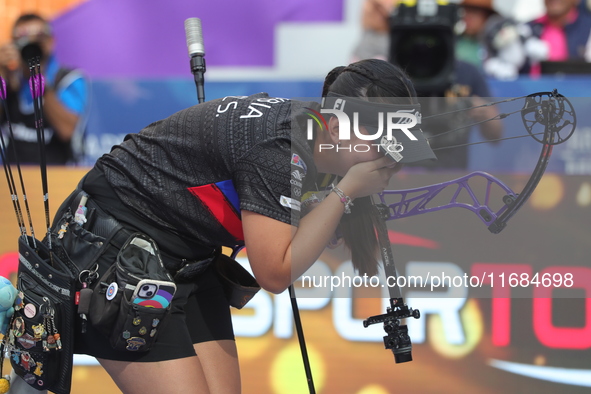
x,y
556,114
514,204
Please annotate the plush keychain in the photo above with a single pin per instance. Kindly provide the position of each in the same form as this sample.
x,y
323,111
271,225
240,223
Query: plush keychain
x,y
8,294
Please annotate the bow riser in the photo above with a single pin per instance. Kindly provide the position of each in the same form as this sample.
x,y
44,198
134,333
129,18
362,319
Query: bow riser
x,y
411,204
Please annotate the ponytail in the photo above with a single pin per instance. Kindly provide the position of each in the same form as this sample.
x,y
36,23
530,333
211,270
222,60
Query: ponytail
x,y
358,229
377,81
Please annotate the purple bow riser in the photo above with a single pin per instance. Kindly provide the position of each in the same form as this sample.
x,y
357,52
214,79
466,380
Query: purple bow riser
x,y
411,202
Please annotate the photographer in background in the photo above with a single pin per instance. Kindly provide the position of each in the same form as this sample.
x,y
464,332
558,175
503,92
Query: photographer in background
x,y
421,39
65,96
468,89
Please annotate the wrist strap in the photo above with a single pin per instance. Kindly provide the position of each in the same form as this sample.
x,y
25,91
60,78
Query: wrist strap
x,y
344,199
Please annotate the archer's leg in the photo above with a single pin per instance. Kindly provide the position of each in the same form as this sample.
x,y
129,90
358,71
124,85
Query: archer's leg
x,y
183,375
219,362
209,322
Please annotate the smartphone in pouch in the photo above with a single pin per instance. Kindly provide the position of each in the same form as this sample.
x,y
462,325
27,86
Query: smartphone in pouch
x,y
154,293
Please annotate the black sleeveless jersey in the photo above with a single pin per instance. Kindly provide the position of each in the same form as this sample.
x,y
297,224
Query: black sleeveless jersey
x,y
194,172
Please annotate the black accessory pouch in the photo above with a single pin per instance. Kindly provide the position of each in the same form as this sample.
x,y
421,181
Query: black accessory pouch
x,y
238,284
87,244
192,268
41,333
133,297
41,337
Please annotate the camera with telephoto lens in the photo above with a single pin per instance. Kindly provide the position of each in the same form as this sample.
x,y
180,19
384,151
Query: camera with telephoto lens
x,y
422,41
29,48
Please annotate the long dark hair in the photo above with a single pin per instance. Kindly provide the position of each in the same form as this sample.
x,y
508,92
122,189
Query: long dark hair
x,y
377,81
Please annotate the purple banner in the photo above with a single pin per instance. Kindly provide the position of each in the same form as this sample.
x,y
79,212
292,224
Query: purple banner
x,y
139,38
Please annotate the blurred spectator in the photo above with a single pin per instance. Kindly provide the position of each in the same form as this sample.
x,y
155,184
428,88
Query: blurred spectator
x,y
469,45
565,30
469,83
469,89
498,45
64,102
374,41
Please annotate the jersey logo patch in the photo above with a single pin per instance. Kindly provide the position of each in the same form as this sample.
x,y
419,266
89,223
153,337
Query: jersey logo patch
x,y
221,199
297,175
297,161
290,203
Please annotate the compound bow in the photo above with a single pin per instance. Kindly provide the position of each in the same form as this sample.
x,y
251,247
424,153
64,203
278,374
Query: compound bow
x,y
550,110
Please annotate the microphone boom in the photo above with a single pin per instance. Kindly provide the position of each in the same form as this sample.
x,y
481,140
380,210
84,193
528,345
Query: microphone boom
x,y
194,36
196,53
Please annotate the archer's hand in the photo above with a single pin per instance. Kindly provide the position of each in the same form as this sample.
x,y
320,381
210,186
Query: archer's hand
x,y
370,177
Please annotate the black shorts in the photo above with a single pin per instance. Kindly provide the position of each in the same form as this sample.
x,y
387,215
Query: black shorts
x,y
199,313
